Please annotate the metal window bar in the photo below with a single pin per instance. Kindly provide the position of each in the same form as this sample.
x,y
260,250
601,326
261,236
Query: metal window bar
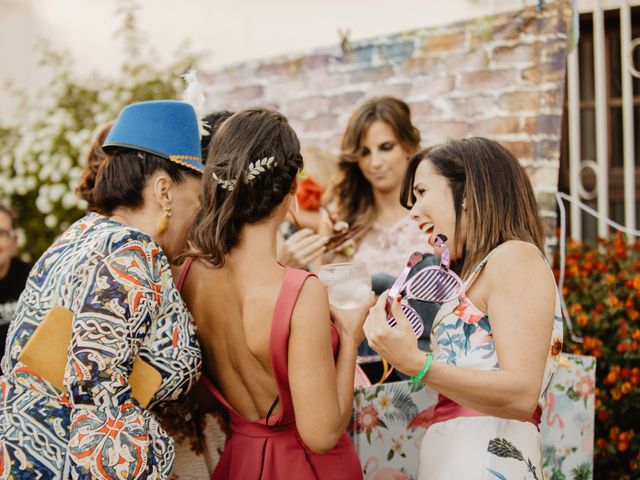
x,y
627,118
575,153
602,160
601,164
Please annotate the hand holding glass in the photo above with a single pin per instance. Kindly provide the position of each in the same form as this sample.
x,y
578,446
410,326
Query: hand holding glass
x,y
348,284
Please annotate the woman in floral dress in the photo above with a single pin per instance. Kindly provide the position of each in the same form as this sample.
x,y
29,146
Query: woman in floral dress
x,y
101,338
496,346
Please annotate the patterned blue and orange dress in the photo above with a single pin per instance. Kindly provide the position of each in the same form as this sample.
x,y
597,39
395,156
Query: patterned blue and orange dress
x,y
117,283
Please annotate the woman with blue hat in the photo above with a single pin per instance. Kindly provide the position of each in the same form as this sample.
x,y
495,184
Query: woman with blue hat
x,y
101,338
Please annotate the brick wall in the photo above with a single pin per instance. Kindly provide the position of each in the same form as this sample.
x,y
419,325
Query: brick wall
x,y
501,77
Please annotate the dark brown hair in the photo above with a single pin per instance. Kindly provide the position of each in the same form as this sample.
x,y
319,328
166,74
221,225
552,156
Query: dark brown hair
x,y
352,196
10,213
500,203
213,121
92,161
243,139
122,176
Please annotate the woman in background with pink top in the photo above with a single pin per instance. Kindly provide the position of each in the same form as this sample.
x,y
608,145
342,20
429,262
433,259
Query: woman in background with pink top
x,y
275,360
376,146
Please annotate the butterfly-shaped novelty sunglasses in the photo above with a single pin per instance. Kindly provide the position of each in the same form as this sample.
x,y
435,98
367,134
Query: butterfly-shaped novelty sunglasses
x,y
436,284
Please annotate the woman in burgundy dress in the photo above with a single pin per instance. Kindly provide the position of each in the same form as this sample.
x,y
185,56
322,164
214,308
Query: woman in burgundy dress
x,y
275,359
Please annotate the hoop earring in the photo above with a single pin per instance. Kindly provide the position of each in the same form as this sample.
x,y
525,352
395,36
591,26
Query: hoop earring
x,y
163,222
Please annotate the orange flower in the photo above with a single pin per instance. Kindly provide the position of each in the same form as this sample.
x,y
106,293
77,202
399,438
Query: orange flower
x,y
625,387
613,301
601,443
582,319
636,282
556,347
613,433
611,377
624,436
622,446
616,394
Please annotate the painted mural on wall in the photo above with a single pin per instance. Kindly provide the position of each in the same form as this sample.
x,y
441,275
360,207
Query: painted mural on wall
x,y
500,76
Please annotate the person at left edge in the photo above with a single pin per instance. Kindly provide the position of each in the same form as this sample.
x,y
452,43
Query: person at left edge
x,y
13,271
131,343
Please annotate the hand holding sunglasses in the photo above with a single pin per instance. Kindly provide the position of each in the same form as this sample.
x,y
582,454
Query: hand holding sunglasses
x,y
436,284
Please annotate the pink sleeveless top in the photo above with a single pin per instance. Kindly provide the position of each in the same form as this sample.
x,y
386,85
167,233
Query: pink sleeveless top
x,y
271,448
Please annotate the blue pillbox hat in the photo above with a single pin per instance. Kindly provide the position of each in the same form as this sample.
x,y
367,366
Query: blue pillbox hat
x,y
166,128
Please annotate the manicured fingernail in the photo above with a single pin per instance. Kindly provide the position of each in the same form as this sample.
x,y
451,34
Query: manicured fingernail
x,y
398,298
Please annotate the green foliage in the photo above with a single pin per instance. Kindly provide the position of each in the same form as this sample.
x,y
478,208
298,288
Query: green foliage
x,y
41,151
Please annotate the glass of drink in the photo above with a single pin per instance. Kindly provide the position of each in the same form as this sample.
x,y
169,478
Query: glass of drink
x,y
348,284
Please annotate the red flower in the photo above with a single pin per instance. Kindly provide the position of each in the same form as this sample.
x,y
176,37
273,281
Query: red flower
x,y
584,387
368,418
309,194
467,312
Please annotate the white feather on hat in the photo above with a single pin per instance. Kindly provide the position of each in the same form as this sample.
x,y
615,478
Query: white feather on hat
x,y
194,95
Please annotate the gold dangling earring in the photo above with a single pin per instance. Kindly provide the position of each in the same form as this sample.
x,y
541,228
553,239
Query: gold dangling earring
x,y
163,223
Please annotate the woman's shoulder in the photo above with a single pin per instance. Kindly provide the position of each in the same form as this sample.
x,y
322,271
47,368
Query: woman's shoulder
x,y
517,258
517,251
313,294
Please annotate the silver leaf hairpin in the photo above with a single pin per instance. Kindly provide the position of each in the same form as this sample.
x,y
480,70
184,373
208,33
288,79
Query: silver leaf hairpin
x,y
253,170
224,184
260,166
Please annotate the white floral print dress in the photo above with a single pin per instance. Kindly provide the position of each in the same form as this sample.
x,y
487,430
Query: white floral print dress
x,y
481,447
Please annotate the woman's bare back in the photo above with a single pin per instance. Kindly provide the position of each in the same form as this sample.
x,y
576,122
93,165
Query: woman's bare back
x,y
233,307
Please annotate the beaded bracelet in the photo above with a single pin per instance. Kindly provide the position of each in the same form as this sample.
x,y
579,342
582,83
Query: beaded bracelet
x,y
424,370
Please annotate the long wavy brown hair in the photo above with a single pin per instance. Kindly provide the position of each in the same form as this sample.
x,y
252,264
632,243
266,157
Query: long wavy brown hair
x,y
499,198
351,197
243,139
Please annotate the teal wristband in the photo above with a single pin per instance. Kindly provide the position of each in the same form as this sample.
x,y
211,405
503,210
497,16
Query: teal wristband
x,y
425,369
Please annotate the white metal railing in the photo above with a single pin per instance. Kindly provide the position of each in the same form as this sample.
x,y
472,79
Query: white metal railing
x,y
600,164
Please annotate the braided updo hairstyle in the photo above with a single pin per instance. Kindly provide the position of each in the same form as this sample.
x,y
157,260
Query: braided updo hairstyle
x,y
244,138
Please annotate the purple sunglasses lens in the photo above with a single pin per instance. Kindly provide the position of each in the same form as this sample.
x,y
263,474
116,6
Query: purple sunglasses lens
x,y
434,284
414,319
